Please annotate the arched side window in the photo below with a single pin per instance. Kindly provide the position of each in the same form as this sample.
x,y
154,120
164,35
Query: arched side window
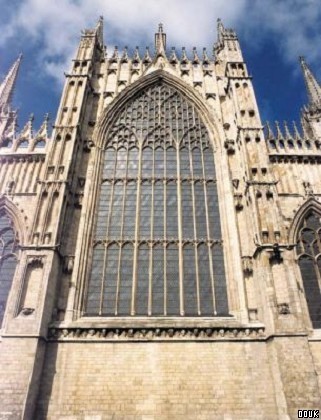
x,y
8,260
157,248
309,259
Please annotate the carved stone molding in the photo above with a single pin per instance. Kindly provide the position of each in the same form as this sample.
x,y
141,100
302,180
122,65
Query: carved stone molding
x,y
156,334
68,263
247,264
284,309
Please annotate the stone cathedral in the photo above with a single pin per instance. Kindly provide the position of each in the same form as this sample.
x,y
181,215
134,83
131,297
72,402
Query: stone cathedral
x,y
160,251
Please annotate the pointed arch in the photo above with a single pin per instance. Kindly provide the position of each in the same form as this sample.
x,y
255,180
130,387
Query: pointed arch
x,y
9,247
7,206
306,234
190,94
310,205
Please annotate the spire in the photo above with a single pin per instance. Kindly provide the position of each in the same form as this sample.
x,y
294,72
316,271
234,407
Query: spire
x,y
312,85
279,134
43,130
297,135
196,60
206,60
160,41
27,131
288,135
184,58
269,132
136,57
100,30
220,30
173,57
124,58
7,86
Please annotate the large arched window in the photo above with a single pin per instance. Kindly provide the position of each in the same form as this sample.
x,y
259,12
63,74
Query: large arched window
x,y
309,258
157,248
8,260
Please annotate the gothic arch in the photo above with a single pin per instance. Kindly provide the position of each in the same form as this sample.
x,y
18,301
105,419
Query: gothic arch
x,y
152,203
10,233
310,205
14,214
192,96
306,234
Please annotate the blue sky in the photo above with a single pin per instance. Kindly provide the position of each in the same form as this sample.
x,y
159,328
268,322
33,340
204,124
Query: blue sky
x,y
273,33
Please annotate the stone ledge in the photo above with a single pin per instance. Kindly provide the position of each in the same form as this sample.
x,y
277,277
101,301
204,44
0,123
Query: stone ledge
x,y
157,334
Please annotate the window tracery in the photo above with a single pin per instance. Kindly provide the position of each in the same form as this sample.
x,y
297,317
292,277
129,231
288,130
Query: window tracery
x,y
309,259
8,260
157,248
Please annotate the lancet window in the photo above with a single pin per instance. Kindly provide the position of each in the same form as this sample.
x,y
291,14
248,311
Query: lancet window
x,y
157,246
8,260
309,258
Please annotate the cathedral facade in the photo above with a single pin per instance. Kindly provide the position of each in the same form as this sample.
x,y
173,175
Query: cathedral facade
x,y
160,251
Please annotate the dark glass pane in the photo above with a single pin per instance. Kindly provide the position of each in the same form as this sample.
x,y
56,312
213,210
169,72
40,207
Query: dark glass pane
x,y
103,211
159,163
126,280
121,163
171,210
109,163
95,282
209,163
158,210
184,162
190,295
312,289
200,210
197,162
213,211
171,162
130,211
158,281
187,210
142,280
219,280
145,210
133,163
110,280
172,280
147,162
205,281
116,217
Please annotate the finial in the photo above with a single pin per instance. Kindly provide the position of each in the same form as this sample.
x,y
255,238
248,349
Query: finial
x,y
297,135
269,134
27,131
279,134
312,85
136,57
114,57
43,130
220,30
173,57
288,135
124,58
7,86
160,41
184,59
100,29
206,60
196,60
147,58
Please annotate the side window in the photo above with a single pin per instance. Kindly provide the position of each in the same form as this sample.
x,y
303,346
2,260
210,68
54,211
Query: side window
x,y
309,260
8,260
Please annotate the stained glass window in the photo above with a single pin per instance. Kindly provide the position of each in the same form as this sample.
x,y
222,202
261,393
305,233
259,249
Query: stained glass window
x,y
309,258
157,243
8,261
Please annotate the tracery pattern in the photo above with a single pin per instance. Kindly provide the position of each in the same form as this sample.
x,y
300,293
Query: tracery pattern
x,y
8,260
309,257
157,244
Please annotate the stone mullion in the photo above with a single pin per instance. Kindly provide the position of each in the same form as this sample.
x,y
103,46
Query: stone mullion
x,y
121,234
180,226
194,223
24,177
210,255
139,180
150,268
107,232
29,179
165,232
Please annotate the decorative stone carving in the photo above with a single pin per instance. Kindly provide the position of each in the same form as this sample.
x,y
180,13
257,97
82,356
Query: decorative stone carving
x,y
284,309
157,334
229,146
68,263
247,263
238,198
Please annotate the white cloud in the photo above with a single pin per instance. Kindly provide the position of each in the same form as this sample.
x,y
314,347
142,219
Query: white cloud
x,y
56,25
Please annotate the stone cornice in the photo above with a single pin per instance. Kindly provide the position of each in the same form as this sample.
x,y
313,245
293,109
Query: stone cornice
x,y
121,334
